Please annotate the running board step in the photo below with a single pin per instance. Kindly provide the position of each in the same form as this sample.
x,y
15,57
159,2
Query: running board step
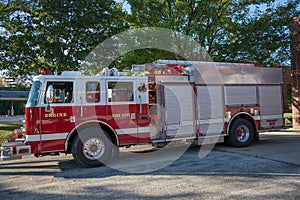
x,y
210,140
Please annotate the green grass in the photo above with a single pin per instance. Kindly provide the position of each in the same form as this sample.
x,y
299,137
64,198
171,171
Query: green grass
x,y
288,119
6,130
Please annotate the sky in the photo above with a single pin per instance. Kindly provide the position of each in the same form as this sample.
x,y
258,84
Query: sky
x,y
127,7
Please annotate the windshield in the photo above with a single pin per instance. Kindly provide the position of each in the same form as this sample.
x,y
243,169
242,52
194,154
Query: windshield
x,y
33,94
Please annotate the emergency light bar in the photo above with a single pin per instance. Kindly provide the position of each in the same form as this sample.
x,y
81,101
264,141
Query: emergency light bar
x,y
138,68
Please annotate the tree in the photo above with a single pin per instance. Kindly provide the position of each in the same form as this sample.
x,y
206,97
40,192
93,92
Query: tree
x,y
58,35
262,38
54,34
254,31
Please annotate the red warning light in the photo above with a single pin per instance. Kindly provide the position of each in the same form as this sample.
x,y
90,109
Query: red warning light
x,y
46,72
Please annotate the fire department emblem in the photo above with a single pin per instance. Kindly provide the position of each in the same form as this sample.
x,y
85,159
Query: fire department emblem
x,y
142,87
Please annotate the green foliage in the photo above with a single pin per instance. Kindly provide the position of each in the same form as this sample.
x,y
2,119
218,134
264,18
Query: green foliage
x,y
58,35
253,31
143,56
19,107
54,34
6,129
288,119
288,95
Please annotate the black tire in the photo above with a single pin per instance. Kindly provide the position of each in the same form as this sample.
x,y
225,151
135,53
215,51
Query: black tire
x,y
92,147
241,133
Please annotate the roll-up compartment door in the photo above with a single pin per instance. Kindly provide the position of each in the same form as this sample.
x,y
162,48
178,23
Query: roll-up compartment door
x,y
240,95
179,110
271,110
210,109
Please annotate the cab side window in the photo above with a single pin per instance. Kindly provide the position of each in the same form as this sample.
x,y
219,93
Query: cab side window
x,y
62,92
120,91
92,92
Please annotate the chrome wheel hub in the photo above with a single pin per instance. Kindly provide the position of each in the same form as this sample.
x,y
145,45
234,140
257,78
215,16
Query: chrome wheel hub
x,y
242,133
93,148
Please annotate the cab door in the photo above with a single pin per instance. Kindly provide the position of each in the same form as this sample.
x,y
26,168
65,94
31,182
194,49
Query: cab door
x,y
122,109
91,100
56,114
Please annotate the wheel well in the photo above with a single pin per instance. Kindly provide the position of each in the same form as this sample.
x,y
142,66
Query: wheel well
x,y
243,116
88,125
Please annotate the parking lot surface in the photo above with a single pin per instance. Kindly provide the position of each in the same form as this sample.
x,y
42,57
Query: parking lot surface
x,y
268,169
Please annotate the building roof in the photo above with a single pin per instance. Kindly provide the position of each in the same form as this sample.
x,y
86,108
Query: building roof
x,y
13,95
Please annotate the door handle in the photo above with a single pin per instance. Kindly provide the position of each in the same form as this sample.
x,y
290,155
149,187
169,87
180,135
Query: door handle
x,y
141,108
81,108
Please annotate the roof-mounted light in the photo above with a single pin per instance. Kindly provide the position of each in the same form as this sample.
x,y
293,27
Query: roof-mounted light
x,y
46,72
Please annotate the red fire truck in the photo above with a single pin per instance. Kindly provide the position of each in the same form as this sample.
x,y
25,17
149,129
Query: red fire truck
x,y
170,100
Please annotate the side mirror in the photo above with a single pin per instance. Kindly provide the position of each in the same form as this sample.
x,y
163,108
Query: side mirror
x,y
49,94
49,97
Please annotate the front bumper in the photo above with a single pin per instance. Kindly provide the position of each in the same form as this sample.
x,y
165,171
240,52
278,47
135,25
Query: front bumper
x,y
14,150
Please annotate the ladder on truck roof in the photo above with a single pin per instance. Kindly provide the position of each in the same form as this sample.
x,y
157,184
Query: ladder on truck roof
x,y
190,63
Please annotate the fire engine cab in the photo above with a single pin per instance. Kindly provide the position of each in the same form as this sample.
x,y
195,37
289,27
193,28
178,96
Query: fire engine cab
x,y
170,100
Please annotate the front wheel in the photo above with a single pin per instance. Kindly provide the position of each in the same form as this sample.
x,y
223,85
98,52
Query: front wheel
x,y
92,147
241,133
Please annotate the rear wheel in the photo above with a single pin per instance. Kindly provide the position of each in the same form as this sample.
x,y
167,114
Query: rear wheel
x,y
92,147
241,133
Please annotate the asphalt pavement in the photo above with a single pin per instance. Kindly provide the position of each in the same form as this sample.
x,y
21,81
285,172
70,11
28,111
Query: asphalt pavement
x,y
268,169
220,175
281,145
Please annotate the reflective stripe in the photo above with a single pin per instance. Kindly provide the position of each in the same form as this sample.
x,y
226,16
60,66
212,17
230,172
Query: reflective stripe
x,y
187,123
133,130
211,121
32,138
126,131
256,117
144,129
43,137
271,117
63,136
172,127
